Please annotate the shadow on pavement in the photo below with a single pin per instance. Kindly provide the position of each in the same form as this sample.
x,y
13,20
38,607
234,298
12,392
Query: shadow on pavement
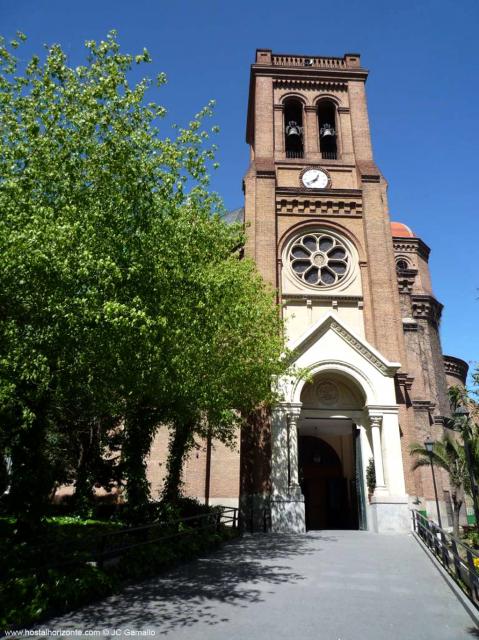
x,y
237,575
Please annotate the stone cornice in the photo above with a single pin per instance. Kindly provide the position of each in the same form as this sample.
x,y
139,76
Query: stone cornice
x,y
337,193
405,380
423,405
411,245
426,307
264,167
307,74
322,297
409,324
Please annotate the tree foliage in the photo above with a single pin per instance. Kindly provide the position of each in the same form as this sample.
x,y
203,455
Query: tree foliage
x,y
123,301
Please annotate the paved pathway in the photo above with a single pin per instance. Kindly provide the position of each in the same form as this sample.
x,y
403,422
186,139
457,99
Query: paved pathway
x,y
335,585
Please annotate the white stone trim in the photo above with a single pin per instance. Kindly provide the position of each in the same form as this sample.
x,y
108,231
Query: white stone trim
x,y
358,343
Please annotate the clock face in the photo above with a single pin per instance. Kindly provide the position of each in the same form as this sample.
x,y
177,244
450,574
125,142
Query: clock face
x,y
315,179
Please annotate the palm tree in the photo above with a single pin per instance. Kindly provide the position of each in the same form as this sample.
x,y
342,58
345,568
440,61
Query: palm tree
x,y
465,420
448,454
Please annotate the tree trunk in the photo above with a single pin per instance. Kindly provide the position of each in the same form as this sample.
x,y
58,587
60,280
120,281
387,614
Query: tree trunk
x,y
31,476
180,443
456,510
140,425
83,496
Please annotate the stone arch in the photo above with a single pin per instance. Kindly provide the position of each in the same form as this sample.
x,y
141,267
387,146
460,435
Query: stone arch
x,y
327,96
292,95
361,384
311,224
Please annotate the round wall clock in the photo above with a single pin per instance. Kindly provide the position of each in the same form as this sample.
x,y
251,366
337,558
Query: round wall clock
x,y
315,178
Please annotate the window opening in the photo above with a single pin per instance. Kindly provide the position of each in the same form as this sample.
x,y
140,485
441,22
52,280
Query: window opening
x,y
293,129
319,259
327,130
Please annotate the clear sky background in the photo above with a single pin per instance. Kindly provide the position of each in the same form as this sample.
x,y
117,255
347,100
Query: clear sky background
x,y
423,97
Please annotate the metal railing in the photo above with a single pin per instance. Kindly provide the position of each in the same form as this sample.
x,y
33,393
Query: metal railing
x,y
286,60
294,154
114,544
329,155
457,558
107,547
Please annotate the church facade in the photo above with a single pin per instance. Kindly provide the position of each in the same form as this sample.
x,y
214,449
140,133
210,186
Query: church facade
x,y
361,318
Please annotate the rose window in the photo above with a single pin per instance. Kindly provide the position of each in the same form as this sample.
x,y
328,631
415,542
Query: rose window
x,y
319,259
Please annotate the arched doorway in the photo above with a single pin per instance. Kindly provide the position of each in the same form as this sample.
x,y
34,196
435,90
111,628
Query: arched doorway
x,y
330,461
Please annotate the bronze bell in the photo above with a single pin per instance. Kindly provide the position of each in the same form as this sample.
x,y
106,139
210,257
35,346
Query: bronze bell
x,y
327,130
293,130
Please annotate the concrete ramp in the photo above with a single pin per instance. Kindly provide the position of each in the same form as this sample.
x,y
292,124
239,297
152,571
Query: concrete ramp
x,y
329,585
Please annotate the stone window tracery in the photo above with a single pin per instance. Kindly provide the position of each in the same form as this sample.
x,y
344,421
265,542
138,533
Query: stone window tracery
x,y
319,259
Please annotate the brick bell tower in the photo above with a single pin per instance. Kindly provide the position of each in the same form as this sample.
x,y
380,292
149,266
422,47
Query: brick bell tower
x,y
319,231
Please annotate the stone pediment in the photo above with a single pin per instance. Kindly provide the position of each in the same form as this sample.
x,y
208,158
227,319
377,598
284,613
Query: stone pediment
x,y
331,323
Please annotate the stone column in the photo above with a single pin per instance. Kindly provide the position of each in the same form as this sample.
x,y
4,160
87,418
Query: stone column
x,y
377,453
311,131
287,502
293,448
389,511
279,449
392,454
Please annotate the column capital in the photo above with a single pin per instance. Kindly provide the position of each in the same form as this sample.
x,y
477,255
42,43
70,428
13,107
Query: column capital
x,y
293,411
375,419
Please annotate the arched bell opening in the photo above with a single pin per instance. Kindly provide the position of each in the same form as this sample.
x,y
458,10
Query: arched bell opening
x,y
330,464
327,127
293,128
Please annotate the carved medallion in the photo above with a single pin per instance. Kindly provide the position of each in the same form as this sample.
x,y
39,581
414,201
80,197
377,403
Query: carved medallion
x,y
327,393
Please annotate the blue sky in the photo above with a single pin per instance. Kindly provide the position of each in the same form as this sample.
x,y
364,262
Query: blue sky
x,y
422,91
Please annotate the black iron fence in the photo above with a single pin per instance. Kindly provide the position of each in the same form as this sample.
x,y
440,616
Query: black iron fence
x,y
459,560
109,547
114,544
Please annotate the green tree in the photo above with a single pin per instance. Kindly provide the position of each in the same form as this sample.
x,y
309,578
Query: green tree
x,y
123,302
226,360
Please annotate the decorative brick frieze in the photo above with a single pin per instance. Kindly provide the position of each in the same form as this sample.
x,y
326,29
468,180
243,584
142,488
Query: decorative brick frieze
x,y
456,368
292,84
319,206
426,308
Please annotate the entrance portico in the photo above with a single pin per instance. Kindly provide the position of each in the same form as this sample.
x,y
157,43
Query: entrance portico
x,y
345,381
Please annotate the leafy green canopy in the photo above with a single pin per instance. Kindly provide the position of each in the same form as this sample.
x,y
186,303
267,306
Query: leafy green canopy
x,y
121,291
